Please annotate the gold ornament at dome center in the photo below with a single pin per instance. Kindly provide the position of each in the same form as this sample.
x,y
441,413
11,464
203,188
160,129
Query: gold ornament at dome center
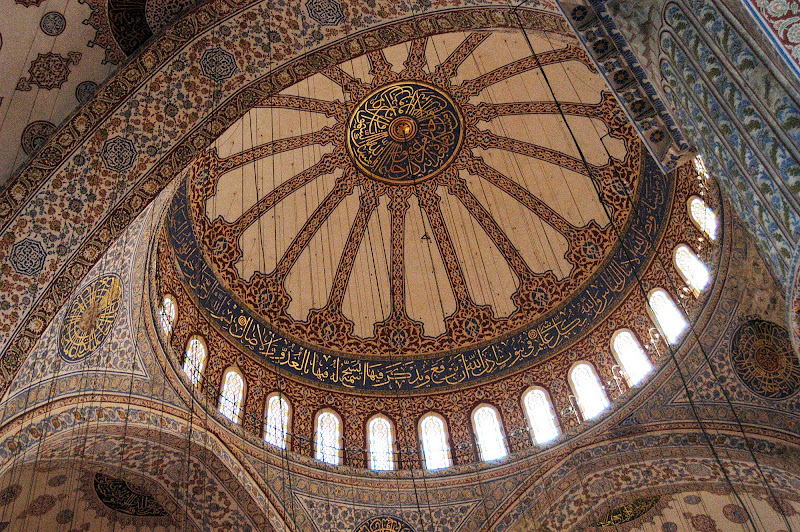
x,y
405,132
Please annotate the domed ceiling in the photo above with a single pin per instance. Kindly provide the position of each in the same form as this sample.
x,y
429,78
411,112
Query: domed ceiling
x,y
421,216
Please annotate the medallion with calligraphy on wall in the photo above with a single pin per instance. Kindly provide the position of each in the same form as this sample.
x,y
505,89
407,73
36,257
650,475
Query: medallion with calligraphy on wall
x,y
762,357
627,512
89,318
384,523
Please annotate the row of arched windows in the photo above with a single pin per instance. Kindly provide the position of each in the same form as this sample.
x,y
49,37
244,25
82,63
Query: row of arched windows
x,y
586,386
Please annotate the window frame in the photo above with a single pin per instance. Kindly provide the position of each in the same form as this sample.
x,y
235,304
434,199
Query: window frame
x,y
392,432
289,412
500,427
340,442
696,223
235,369
162,313
657,324
683,276
574,390
549,399
201,370
448,442
616,355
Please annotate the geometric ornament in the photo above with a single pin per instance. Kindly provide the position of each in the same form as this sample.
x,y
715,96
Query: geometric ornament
x,y
89,318
762,357
326,12
118,154
405,133
48,71
27,257
384,523
218,64
117,495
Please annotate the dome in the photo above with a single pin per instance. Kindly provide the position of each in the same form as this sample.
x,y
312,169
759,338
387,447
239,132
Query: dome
x,y
446,215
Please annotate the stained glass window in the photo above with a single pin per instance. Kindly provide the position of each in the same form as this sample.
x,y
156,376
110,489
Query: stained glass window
x,y
195,359
433,435
166,314
703,217
668,317
631,356
277,424
329,437
586,385
232,396
541,417
381,443
489,433
691,268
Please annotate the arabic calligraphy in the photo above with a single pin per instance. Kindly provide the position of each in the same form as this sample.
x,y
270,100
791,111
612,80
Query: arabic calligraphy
x,y
89,318
552,332
627,512
384,523
117,495
404,133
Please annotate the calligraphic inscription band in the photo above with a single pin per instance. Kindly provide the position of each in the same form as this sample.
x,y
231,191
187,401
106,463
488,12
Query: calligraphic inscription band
x,y
405,132
550,333
89,318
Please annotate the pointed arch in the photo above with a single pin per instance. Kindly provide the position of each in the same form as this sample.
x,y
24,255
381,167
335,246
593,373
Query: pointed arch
x,y
434,438
380,443
328,437
489,433
631,357
691,268
540,414
668,317
276,423
586,386
231,396
194,360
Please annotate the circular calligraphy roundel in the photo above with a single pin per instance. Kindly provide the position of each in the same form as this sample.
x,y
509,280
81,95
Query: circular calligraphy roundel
x,y
89,318
763,359
405,133
384,523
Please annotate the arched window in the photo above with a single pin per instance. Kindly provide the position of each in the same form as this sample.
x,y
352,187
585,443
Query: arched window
x,y
489,433
541,417
433,437
277,425
668,317
631,356
195,359
586,385
380,439
700,167
166,314
691,268
329,437
703,217
232,396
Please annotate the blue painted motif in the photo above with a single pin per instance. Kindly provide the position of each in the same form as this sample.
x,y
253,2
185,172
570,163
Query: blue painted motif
x,y
218,64
326,12
27,257
119,154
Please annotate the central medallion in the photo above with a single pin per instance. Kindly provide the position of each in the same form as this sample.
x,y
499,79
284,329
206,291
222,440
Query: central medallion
x,y
405,132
